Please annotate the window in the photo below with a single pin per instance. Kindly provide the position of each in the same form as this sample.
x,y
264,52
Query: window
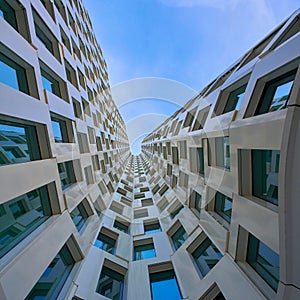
x,y
276,93
77,109
263,260
235,98
79,216
121,226
176,211
50,84
8,13
21,216
71,74
220,147
13,74
152,228
111,284
223,206
65,40
197,160
61,127
83,143
51,282
20,143
265,167
143,249
195,201
164,286
179,237
106,241
206,256
66,174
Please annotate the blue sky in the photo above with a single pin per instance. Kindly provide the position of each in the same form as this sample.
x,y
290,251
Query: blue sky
x,y
189,41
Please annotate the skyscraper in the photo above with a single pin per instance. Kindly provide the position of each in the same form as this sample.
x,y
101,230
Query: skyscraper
x,y
208,210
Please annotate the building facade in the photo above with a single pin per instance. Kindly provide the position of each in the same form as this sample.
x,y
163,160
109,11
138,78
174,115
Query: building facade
x,y
208,210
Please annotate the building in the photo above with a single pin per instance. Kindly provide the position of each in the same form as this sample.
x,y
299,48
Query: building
x,y
208,210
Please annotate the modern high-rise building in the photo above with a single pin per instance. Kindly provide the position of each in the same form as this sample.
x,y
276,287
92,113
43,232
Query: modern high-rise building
x,y
209,209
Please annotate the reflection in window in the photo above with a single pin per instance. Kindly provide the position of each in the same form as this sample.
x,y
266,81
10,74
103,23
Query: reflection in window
x,y
13,74
121,226
111,284
179,237
51,282
42,37
79,216
18,144
223,206
50,84
151,228
206,256
223,152
60,130
21,215
66,174
264,261
235,98
144,251
265,167
164,286
276,93
106,243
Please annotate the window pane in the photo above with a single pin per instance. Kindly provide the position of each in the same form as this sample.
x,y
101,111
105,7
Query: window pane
x,y
223,206
110,284
206,256
66,173
179,237
121,226
235,99
8,13
79,216
54,277
21,215
152,228
144,251
105,243
50,84
264,261
12,74
19,143
265,167
60,130
164,286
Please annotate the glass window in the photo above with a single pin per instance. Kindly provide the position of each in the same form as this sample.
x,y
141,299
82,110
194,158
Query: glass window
x,y
42,37
206,256
51,282
20,143
13,74
111,284
79,216
235,98
152,228
21,215
67,174
200,161
60,130
8,13
176,211
121,226
106,243
164,286
179,237
50,84
276,93
264,261
223,152
223,206
144,251
265,167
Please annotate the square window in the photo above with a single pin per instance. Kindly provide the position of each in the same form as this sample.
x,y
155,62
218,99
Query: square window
x,y
206,256
264,261
121,226
276,93
51,282
79,216
67,174
60,129
152,228
179,237
106,242
223,206
164,284
110,284
144,251
265,167
13,74
50,84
